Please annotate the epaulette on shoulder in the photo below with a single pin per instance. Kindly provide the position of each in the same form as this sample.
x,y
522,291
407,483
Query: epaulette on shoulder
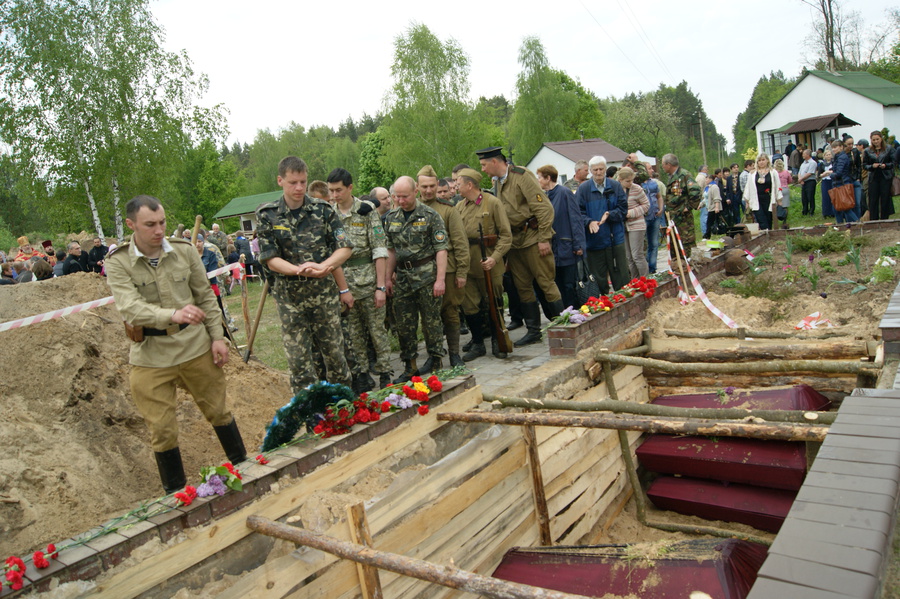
x,y
266,206
520,170
119,248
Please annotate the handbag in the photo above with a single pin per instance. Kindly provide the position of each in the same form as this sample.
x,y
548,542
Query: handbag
x,y
895,186
843,198
586,286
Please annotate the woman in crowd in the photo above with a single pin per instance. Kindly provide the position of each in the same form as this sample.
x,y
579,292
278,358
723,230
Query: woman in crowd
x,y
42,270
824,173
841,177
878,160
785,179
763,192
635,225
712,200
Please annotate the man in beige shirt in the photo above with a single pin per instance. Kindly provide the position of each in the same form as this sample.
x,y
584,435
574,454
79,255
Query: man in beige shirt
x,y
175,325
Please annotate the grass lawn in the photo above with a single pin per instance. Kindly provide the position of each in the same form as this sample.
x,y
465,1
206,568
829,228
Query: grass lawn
x,y
267,346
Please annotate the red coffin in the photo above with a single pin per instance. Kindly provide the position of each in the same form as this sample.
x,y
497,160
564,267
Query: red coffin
x,y
760,508
721,568
801,397
775,464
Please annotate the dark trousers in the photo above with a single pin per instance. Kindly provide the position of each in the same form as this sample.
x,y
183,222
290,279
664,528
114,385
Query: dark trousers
x,y
881,204
808,196
566,277
609,264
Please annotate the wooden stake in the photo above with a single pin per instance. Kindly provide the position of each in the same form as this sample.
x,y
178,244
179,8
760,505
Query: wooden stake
x,y
196,231
668,426
369,581
674,241
447,576
624,407
537,481
259,309
743,367
245,309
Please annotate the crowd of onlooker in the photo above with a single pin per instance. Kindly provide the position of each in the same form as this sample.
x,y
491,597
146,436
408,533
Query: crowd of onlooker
x,y
28,262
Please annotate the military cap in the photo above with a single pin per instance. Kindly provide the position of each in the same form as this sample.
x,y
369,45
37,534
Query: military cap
x,y
494,152
470,173
427,171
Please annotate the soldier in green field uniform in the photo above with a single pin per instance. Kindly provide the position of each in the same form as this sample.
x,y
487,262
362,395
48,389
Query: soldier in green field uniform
x,y
417,254
682,198
301,242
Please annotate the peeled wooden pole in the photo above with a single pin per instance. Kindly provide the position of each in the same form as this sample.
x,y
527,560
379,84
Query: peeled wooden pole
x,y
742,333
668,426
447,576
743,367
196,231
259,309
537,480
244,305
610,405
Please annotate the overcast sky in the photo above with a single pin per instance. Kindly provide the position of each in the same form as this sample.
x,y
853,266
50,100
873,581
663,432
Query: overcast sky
x,y
271,62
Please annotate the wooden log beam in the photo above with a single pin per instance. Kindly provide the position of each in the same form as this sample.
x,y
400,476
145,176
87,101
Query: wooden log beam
x,y
835,350
836,366
447,576
624,407
668,384
659,424
741,333
369,581
537,482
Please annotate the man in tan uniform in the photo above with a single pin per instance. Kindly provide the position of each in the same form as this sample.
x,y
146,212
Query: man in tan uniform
x,y
457,259
481,208
531,221
175,325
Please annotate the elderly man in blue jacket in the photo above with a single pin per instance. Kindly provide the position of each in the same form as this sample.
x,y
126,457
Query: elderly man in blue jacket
x,y
604,204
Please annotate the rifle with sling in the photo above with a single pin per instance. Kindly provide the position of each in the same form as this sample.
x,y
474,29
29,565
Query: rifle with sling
x,y
498,325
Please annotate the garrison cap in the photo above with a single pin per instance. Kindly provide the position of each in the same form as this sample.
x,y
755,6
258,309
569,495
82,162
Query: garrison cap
x,y
494,152
470,173
427,171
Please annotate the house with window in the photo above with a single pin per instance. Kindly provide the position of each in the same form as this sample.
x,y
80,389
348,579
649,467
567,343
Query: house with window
x,y
827,104
245,208
564,154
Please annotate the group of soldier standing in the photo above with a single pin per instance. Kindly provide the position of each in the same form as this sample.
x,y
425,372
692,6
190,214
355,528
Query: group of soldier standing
x,y
429,258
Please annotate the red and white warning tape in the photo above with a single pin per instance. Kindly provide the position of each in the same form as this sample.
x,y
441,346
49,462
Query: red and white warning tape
x,y
683,296
24,322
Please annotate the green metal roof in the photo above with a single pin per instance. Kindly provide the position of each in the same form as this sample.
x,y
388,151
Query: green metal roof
x,y
246,204
783,128
885,92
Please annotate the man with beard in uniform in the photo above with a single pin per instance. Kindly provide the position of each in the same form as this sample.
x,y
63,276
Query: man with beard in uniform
x,y
301,243
457,259
481,208
682,198
531,221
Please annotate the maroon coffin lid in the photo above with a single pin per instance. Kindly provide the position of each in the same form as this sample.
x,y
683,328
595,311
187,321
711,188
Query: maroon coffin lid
x,y
775,464
800,397
758,507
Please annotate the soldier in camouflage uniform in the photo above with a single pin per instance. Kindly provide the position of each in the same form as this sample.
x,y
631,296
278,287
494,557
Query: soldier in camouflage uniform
x,y
365,274
641,175
219,238
417,254
683,196
531,220
301,242
581,175
457,262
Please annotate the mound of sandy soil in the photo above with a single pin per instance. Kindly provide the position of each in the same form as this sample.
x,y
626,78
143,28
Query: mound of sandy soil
x,y
75,450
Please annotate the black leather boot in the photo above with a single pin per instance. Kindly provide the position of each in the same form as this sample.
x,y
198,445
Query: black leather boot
x,y
171,470
232,443
409,370
532,314
430,365
384,380
476,347
556,308
495,349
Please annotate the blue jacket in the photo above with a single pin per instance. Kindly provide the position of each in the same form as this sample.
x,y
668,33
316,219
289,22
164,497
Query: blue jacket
x,y
841,168
567,223
594,203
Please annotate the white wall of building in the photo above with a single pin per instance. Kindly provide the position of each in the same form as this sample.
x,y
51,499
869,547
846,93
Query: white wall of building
x,y
562,164
814,96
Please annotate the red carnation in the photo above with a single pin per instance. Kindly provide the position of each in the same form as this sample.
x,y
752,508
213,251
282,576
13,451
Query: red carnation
x,y
363,415
39,561
386,406
416,379
15,563
374,416
423,409
14,578
232,470
364,396
261,459
318,429
434,383
52,552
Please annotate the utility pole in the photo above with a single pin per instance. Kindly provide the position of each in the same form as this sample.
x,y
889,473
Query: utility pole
x,y
702,139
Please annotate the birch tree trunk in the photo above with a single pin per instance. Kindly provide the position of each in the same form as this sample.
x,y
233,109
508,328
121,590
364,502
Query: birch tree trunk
x,y
94,214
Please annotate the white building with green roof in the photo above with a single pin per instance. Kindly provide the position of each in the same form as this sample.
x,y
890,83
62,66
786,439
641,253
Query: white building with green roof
x,y
825,104
245,208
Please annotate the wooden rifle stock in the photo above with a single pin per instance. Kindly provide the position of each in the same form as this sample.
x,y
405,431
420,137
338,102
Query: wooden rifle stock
x,y
498,325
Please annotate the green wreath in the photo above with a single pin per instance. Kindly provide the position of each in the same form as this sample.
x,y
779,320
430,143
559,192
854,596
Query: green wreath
x,y
306,408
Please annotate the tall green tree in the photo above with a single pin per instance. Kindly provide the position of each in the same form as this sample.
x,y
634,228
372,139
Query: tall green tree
x,y
769,89
550,105
645,123
92,101
429,119
372,172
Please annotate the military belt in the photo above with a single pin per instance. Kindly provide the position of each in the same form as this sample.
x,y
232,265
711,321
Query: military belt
x,y
170,330
530,223
358,261
407,264
489,241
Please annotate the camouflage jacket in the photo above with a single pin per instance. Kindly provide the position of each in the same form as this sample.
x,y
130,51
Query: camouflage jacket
x,y
310,235
413,237
220,239
366,234
682,193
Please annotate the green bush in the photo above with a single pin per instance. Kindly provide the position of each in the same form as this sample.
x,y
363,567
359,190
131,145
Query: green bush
x,y
830,243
